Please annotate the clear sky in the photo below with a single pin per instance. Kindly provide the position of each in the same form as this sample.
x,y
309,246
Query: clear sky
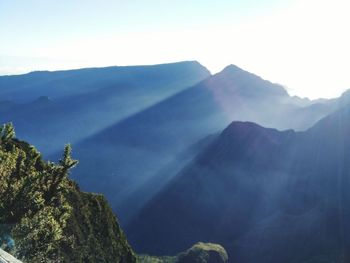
x,y
304,45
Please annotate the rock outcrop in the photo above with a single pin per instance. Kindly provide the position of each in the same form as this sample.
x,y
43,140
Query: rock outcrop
x,y
7,258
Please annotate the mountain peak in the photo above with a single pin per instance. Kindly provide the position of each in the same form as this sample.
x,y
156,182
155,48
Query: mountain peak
x,y
250,132
231,68
238,124
248,83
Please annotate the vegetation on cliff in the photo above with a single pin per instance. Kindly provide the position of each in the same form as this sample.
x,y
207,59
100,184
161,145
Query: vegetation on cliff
x,y
44,217
47,215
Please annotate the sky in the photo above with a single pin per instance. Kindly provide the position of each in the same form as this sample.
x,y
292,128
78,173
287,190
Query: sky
x,y
303,45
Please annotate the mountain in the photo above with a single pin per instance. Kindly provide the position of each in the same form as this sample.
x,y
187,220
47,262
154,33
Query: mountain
x,y
44,217
141,148
134,125
266,195
48,108
60,84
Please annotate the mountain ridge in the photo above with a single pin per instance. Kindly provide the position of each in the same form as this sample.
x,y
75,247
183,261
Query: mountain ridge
x,y
256,185
130,127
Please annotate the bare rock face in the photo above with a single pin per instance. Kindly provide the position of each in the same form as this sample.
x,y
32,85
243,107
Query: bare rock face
x,y
204,253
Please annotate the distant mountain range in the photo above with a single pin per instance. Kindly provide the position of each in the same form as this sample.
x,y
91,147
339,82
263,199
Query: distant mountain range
x,y
184,156
134,128
159,136
72,105
266,195
60,84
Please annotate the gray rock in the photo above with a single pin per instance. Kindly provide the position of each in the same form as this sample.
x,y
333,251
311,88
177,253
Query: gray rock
x,y
7,258
204,253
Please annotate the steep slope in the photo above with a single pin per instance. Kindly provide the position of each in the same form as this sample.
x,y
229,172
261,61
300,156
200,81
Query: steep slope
x,y
267,196
44,217
97,233
247,97
124,120
48,108
135,150
48,217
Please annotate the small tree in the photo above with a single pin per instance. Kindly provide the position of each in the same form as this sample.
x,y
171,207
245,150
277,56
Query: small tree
x,y
33,197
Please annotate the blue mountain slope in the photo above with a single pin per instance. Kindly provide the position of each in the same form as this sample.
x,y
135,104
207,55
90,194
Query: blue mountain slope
x,y
58,84
266,195
76,104
128,124
139,148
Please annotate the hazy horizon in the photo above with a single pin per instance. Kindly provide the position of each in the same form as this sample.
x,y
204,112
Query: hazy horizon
x,y
199,131
301,45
